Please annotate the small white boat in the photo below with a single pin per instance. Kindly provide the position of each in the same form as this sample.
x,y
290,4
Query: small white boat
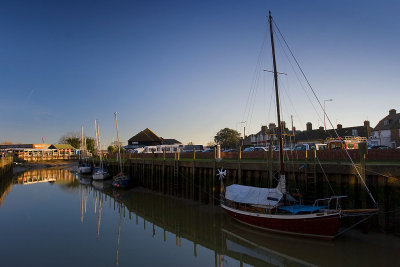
x,y
99,173
83,167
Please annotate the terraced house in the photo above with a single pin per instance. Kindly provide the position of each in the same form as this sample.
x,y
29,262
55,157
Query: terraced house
x,y
387,131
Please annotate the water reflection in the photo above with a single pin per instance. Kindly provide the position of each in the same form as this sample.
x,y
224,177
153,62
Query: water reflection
x,y
5,188
141,227
45,175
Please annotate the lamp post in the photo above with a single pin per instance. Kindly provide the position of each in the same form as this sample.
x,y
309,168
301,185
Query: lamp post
x,y
244,131
327,100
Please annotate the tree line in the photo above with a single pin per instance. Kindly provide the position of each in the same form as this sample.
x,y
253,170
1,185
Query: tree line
x,y
226,138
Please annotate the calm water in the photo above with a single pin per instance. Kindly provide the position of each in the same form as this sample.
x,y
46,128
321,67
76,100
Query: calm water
x,y
68,223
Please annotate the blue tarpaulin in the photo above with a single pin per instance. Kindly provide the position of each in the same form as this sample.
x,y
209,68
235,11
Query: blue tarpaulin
x,y
295,209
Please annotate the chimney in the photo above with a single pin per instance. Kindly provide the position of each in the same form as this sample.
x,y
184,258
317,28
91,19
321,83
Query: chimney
x,y
339,127
321,128
392,112
366,124
264,129
309,126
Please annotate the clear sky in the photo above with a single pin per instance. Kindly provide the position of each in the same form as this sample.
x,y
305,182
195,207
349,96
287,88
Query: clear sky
x,y
184,69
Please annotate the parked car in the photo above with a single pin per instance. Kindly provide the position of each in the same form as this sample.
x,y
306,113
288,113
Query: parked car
x,y
231,150
301,147
260,148
207,150
380,147
248,149
321,146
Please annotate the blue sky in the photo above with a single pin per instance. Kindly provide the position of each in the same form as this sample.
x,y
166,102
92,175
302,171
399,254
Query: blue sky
x,y
184,69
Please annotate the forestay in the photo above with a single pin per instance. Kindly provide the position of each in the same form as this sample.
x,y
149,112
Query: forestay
x,y
253,195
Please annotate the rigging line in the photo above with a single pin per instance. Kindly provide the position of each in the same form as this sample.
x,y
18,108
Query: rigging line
x,y
326,177
390,211
354,225
256,69
255,72
319,102
303,74
298,79
381,174
252,97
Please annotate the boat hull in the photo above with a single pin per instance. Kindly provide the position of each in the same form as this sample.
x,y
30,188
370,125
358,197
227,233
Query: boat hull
x,y
315,225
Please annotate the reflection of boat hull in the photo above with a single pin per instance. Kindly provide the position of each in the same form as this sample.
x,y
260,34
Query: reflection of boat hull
x,y
101,175
85,180
122,181
84,169
100,185
315,225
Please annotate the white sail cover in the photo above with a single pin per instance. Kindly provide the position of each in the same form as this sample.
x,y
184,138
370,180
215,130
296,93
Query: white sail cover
x,y
253,195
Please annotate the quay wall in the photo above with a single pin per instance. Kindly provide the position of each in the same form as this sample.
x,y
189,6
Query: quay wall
x,y
196,179
378,155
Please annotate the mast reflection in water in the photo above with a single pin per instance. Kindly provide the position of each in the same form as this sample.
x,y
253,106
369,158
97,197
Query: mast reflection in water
x,y
73,221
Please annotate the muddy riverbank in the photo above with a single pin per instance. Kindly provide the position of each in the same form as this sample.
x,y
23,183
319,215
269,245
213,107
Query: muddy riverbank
x,y
22,167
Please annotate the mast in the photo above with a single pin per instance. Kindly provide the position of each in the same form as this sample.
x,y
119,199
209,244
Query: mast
x,y
82,149
96,144
282,170
99,146
119,147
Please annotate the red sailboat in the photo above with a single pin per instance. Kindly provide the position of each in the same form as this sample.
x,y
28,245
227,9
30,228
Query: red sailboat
x,y
275,210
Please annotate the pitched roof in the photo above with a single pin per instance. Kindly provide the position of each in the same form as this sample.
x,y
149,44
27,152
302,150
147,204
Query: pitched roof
x,y
320,134
61,146
145,136
393,122
170,141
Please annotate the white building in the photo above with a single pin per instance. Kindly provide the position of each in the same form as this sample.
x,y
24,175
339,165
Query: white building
x,y
387,131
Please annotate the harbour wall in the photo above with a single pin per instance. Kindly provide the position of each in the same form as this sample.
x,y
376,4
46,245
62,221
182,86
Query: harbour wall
x,y
196,179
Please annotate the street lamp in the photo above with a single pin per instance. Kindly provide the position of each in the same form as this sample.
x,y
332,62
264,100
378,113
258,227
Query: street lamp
x,y
327,100
244,131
